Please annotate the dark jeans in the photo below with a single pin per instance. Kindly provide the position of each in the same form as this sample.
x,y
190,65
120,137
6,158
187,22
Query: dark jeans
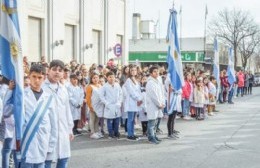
x,y
151,128
144,126
240,90
126,125
130,123
6,152
157,124
230,95
220,96
113,126
75,126
171,122
250,88
199,112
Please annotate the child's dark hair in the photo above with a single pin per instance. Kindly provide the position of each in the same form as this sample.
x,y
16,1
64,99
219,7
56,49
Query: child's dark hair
x,y
153,68
211,78
57,63
38,68
109,73
92,76
73,76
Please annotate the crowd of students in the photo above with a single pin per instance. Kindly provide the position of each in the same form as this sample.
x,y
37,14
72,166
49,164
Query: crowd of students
x,y
79,98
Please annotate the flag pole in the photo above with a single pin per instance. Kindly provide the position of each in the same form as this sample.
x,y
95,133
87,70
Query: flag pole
x,y
180,13
205,30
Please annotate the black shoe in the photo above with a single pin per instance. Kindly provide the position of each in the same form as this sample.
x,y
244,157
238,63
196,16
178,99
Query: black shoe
x,y
200,118
131,138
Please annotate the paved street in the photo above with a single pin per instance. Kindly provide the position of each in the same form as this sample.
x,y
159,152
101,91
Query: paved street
x,y
230,139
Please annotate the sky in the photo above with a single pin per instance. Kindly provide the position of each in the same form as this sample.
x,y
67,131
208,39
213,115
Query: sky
x,y
193,13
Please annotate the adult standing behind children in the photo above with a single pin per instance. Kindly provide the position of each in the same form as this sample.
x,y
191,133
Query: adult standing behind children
x,y
65,123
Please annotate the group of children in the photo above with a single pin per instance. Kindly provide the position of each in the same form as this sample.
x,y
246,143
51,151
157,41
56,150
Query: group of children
x,y
149,96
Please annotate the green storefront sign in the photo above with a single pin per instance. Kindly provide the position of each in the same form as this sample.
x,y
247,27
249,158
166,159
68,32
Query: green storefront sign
x,y
161,56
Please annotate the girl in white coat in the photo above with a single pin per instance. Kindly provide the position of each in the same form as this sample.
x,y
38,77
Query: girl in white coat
x,y
95,106
76,97
133,100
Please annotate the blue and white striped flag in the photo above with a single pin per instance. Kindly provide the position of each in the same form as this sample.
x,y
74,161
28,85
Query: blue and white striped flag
x,y
174,55
231,69
11,58
216,63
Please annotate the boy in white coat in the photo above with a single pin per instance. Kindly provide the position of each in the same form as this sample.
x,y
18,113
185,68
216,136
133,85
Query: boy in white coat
x,y
64,120
39,121
111,95
76,97
155,102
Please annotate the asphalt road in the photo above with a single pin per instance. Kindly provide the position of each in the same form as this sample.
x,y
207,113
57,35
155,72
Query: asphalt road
x,y
229,139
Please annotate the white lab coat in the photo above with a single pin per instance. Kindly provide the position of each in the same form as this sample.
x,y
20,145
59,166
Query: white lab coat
x,y
143,111
96,102
133,95
123,108
76,97
112,97
64,119
45,138
154,98
3,89
8,116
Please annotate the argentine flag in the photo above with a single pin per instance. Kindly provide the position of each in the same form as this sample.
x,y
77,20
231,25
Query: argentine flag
x,y
231,69
216,62
11,58
174,55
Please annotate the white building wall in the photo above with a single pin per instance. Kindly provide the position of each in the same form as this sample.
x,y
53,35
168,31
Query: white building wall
x,y
85,16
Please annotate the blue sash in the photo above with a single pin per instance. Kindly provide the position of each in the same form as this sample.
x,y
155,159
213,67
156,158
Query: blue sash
x,y
33,125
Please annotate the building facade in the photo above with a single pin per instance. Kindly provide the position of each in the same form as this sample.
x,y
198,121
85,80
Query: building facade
x,y
193,52
83,30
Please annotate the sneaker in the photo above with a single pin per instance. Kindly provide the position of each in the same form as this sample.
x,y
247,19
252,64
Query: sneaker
x,y
111,137
100,135
159,131
178,117
157,139
187,118
95,136
136,137
230,102
172,137
211,114
131,138
153,141
175,132
200,118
